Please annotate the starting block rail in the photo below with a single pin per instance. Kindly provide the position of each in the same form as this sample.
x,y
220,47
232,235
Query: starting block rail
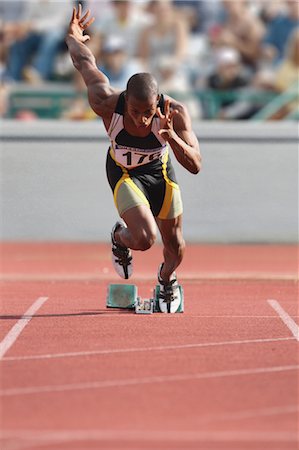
x,y
125,296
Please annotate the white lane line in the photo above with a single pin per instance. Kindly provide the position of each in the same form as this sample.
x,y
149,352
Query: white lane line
x,y
247,414
187,278
287,320
142,381
17,329
151,435
144,349
228,316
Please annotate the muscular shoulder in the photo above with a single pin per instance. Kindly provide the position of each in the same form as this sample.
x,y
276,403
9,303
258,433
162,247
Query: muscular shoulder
x,y
104,107
175,104
181,120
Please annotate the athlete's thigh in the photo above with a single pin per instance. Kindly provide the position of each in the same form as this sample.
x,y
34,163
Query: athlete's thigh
x,y
140,219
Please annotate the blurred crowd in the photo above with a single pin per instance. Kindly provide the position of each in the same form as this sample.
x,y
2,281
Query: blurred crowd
x,y
243,50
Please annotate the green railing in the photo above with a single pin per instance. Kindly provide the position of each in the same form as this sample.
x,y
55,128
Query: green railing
x,y
278,103
49,103
46,105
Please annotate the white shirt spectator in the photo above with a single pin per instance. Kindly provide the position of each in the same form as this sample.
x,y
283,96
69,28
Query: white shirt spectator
x,y
124,19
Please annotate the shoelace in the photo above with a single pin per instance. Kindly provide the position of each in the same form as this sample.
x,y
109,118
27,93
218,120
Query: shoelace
x,y
168,295
122,255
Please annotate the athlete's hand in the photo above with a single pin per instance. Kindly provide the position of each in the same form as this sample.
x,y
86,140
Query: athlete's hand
x,y
78,24
166,121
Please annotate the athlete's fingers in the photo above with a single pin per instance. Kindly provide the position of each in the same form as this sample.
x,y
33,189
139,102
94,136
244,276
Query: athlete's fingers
x,y
74,14
159,113
84,17
79,11
167,107
87,24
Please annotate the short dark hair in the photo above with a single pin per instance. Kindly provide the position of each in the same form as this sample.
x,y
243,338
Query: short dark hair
x,y
142,86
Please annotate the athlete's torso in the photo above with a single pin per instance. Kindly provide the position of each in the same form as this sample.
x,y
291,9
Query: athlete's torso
x,y
135,151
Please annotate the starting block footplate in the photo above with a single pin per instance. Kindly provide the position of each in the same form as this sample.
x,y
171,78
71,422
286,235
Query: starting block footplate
x,y
122,296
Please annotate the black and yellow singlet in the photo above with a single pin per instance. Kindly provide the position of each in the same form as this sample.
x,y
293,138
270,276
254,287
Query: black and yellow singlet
x,y
139,169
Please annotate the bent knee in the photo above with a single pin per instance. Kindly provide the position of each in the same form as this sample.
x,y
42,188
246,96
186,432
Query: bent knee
x,y
146,239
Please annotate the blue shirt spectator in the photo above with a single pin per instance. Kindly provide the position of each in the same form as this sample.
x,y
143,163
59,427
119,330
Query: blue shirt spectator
x,y
279,30
116,64
201,15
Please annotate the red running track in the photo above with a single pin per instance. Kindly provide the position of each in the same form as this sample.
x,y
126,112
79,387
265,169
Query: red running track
x,y
221,376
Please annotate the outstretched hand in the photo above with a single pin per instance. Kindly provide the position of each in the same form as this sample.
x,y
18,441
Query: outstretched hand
x,y
166,121
79,24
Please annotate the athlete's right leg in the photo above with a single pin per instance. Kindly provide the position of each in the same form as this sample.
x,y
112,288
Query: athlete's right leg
x,y
140,232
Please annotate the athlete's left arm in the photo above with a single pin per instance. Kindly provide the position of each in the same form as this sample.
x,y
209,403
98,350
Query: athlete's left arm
x,y
177,130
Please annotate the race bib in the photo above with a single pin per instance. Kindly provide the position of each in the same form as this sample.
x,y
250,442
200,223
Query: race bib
x,y
130,157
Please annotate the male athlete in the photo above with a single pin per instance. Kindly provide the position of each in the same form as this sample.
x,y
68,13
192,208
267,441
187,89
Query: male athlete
x,y
142,125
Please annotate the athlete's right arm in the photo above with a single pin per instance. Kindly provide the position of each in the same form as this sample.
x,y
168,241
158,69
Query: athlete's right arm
x,y
99,89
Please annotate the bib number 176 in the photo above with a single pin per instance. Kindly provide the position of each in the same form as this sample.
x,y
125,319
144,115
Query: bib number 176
x,y
140,157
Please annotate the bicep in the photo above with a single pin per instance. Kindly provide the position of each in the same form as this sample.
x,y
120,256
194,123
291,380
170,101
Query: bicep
x,y
98,93
183,128
98,88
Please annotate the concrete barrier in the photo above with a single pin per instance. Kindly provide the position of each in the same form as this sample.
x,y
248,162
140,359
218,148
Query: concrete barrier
x,y
54,187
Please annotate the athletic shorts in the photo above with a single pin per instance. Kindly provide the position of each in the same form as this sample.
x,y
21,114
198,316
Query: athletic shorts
x,y
153,185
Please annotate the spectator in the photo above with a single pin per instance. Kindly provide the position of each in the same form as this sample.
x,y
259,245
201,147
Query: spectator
x,y
170,77
124,19
242,31
190,10
286,76
278,31
79,108
268,10
32,54
115,62
226,80
13,26
287,73
4,98
200,15
166,36
229,73
174,81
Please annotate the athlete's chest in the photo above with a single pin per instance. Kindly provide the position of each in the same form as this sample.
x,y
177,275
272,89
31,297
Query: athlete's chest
x,y
123,133
134,150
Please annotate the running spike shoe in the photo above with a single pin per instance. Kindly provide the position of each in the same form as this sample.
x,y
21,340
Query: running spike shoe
x,y
170,294
121,256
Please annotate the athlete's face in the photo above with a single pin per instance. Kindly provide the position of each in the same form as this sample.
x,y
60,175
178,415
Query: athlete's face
x,y
142,112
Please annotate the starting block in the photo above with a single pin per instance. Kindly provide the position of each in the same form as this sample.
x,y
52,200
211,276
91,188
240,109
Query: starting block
x,y
125,296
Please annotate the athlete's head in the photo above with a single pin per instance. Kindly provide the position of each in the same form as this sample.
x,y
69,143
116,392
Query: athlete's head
x,y
142,97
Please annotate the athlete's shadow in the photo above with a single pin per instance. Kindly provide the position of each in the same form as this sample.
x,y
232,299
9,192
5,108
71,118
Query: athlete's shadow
x,y
98,312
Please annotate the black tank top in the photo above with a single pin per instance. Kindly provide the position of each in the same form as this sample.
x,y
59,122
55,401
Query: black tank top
x,y
135,151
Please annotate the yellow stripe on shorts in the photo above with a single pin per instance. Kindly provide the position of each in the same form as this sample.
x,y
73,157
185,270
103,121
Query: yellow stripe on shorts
x,y
169,191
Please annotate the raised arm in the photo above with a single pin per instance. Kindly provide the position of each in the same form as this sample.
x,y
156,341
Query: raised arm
x,y
99,89
176,129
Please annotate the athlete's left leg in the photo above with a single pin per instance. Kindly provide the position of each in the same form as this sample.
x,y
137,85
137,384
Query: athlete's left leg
x,y
174,245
